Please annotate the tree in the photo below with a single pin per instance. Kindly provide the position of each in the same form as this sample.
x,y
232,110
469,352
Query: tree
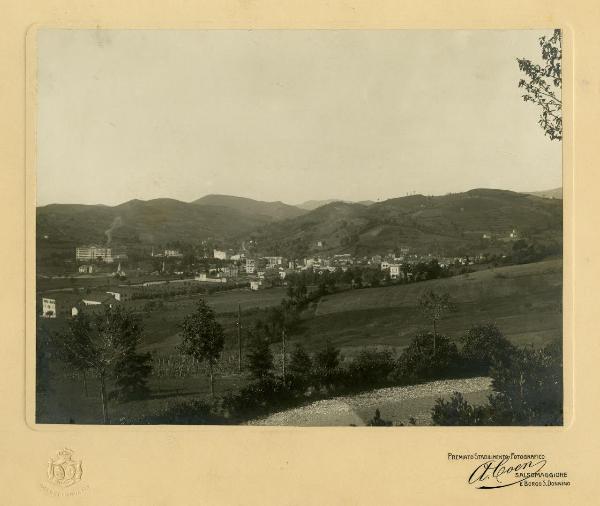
x,y
418,362
543,84
260,357
203,338
327,363
433,306
130,369
526,391
300,366
370,368
106,347
485,346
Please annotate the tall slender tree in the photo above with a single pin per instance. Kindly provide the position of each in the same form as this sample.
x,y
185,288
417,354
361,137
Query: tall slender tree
x,y
203,338
434,306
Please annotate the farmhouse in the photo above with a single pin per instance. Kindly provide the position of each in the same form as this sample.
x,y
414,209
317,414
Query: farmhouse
x,y
48,307
221,255
86,269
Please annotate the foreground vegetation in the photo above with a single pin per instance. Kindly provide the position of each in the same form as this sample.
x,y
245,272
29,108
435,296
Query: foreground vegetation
x,y
170,388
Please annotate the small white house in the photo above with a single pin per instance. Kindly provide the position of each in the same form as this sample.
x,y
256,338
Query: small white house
x,y
395,271
48,308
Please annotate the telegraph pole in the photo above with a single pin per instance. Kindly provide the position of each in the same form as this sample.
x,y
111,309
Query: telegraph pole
x,y
239,336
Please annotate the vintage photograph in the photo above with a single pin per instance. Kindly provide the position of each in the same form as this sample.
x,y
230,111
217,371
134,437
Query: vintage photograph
x,y
299,227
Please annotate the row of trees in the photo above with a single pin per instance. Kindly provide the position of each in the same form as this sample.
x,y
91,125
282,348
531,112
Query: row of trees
x,y
527,382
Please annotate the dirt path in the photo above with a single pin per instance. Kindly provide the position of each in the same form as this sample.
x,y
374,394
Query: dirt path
x,y
397,404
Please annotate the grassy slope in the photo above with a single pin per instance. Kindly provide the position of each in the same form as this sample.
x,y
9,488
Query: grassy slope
x,y
524,301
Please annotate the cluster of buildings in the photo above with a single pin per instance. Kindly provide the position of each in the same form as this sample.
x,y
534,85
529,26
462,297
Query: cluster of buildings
x,y
68,304
94,254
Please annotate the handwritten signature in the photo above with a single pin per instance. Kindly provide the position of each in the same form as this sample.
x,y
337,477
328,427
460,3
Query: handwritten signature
x,y
501,473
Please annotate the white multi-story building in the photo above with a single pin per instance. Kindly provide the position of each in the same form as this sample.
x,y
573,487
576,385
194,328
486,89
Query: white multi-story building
x,y
175,253
250,265
273,261
92,252
395,271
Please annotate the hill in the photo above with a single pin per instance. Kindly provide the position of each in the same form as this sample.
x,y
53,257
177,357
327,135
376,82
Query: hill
x,y
525,301
311,205
62,227
555,193
272,210
443,225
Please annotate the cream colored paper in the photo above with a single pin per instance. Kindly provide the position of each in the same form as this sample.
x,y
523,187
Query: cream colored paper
x,y
282,465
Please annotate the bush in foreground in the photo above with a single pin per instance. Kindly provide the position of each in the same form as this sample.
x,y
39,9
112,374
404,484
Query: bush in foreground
x,y
527,391
419,363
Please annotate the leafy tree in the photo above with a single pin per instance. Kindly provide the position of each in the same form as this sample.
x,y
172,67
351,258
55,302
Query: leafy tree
x,y
433,306
370,368
131,375
542,84
259,357
327,363
203,338
485,346
300,366
418,363
103,347
130,369
527,391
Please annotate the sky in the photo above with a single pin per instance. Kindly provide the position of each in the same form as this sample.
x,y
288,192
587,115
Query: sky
x,y
285,115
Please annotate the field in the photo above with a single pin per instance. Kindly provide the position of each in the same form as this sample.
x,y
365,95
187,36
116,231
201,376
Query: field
x,y
525,301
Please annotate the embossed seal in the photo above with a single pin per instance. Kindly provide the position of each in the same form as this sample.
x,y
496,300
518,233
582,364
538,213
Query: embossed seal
x,y
63,470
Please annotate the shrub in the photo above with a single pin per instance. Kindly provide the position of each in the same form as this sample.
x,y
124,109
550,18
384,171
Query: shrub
x,y
326,364
259,398
485,346
529,390
260,358
456,411
418,362
370,369
300,368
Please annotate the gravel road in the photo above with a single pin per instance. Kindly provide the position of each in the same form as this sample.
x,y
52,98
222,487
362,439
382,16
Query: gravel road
x,y
397,404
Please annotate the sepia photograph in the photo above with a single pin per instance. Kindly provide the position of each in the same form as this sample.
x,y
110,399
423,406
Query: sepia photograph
x,y
300,228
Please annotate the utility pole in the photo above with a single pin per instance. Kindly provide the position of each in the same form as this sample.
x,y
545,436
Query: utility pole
x,y
283,353
239,336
